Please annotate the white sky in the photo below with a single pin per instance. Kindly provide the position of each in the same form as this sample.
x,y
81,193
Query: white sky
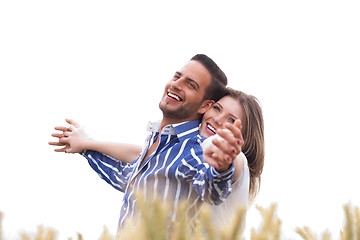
x,y
105,64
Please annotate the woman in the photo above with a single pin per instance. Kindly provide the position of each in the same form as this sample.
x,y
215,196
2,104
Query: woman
x,y
245,187
248,166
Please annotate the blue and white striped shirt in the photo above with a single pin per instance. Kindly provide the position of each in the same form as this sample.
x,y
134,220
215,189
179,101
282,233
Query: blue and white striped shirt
x,y
175,171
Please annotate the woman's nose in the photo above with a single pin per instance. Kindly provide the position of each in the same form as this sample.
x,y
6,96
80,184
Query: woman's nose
x,y
218,120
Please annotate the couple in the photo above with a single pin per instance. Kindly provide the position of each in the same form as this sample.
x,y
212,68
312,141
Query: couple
x,y
173,165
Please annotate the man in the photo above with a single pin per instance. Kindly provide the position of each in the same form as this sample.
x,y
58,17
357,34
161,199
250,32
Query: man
x,y
171,165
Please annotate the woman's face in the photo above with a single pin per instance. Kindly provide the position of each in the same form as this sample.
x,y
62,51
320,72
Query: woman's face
x,y
227,109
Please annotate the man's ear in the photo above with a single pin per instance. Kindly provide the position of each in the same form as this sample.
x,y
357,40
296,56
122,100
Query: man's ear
x,y
206,105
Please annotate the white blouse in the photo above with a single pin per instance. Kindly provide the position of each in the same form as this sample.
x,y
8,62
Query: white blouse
x,y
223,214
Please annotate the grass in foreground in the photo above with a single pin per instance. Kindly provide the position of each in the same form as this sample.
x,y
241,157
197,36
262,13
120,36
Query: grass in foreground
x,y
154,225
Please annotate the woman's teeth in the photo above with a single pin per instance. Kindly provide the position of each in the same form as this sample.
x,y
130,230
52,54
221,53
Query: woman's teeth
x,y
211,128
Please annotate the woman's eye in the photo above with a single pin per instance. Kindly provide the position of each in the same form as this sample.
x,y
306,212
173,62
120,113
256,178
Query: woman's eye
x,y
231,120
216,108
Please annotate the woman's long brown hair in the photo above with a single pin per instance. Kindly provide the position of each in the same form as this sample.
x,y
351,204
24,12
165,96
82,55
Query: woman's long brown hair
x,y
253,134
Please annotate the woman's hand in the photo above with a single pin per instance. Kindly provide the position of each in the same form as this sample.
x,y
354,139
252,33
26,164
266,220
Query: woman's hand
x,y
73,138
221,149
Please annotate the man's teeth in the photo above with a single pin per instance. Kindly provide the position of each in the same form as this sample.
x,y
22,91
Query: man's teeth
x,y
173,96
211,128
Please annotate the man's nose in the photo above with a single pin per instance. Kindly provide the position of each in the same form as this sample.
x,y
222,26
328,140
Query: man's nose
x,y
177,84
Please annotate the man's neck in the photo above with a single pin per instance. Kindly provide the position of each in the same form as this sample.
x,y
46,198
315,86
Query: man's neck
x,y
167,121
164,122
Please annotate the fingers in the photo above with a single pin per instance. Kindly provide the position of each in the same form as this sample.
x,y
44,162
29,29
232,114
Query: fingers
x,y
64,149
230,141
231,150
63,139
57,135
62,142
61,149
72,122
61,136
233,136
66,134
221,164
72,126
64,129
235,128
213,163
221,158
216,157
56,143
237,123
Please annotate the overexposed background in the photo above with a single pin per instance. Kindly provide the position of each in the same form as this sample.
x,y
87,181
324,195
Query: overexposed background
x,y
105,64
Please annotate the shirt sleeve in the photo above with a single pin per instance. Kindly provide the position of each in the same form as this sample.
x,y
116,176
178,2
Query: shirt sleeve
x,y
212,186
113,171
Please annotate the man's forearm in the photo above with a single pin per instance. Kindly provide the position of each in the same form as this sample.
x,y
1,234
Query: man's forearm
x,y
114,172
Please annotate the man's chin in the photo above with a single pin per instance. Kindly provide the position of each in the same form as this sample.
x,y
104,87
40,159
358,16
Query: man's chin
x,y
177,114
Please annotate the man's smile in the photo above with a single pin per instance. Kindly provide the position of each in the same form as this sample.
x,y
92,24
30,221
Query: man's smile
x,y
174,96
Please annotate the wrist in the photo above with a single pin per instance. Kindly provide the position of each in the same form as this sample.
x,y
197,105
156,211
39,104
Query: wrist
x,y
88,144
223,168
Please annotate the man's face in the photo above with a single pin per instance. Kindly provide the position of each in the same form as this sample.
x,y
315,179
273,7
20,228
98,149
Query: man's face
x,y
183,95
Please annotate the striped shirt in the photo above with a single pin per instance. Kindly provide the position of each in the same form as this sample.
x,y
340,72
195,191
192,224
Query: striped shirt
x,y
175,171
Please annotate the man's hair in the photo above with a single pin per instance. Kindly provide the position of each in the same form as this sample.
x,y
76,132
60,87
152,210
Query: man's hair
x,y
217,87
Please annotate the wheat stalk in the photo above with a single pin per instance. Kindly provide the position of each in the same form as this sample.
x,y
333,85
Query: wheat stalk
x,y
155,219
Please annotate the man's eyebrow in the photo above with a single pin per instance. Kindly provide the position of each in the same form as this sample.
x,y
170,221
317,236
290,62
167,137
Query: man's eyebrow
x,y
189,79
193,81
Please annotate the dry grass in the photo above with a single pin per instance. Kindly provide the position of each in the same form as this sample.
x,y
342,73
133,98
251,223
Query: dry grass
x,y
350,231
42,234
1,234
154,224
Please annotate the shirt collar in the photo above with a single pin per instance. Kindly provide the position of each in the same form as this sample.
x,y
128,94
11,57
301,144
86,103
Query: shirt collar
x,y
181,130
